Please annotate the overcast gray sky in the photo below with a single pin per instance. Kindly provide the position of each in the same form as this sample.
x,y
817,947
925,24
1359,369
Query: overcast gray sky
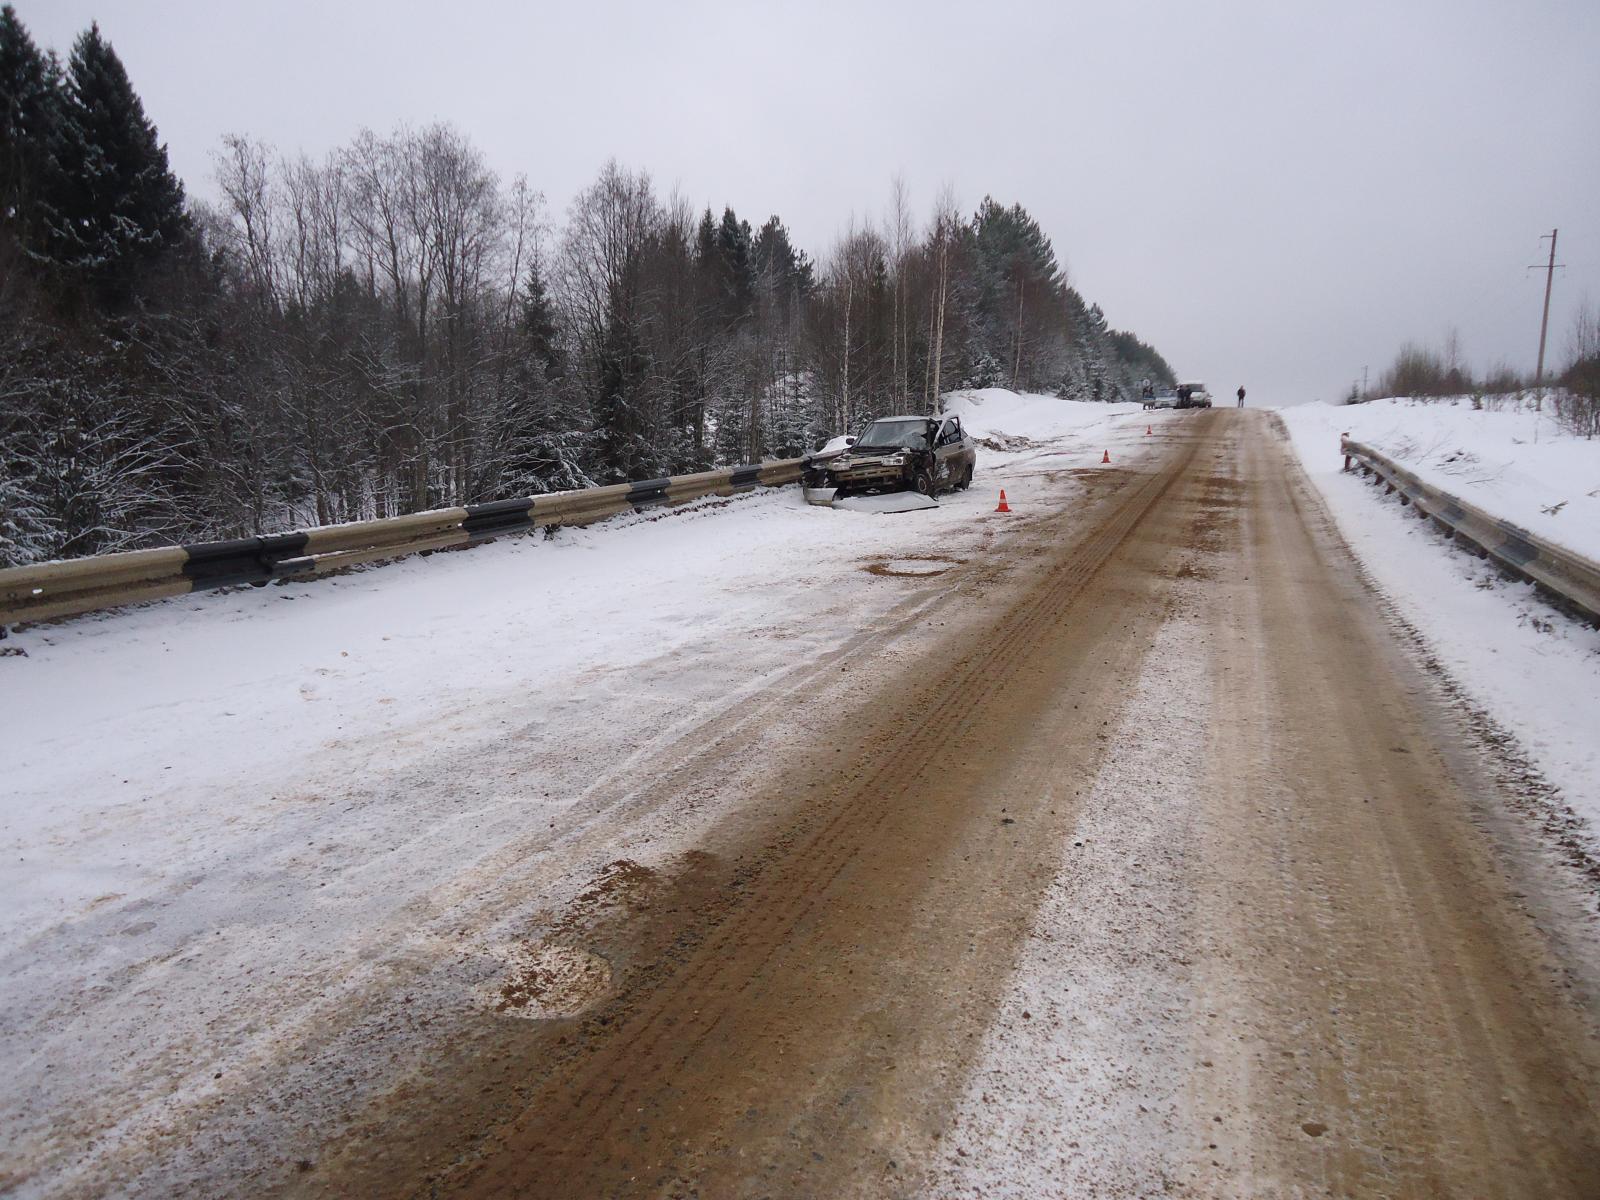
x,y
1272,193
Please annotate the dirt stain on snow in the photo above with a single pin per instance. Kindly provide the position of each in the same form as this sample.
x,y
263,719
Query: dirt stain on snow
x,y
914,566
622,880
548,981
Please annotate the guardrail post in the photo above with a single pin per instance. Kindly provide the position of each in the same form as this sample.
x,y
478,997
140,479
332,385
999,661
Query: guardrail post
x,y
1342,446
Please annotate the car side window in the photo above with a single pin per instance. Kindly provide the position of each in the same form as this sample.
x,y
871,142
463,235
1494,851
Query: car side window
x,y
956,433
946,436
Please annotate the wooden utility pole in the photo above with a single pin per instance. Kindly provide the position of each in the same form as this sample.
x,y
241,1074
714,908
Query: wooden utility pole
x,y
1016,369
1544,323
849,296
938,335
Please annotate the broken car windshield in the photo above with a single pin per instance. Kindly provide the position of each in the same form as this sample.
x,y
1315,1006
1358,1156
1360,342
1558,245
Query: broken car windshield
x,y
909,435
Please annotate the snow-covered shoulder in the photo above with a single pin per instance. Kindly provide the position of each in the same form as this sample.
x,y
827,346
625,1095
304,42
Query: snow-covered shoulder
x,y
1511,461
1534,672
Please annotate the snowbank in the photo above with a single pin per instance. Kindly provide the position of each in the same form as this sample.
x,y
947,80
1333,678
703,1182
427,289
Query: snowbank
x,y
998,413
1516,464
1537,674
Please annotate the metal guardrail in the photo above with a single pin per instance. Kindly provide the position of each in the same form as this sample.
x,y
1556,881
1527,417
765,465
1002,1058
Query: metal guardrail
x,y
1571,580
73,586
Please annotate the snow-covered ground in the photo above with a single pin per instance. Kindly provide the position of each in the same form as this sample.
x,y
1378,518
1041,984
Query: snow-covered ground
x,y
273,793
1536,673
997,413
1508,460
134,734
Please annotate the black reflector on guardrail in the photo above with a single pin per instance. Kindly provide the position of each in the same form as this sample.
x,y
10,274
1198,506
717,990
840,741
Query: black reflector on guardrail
x,y
217,564
243,560
1517,550
281,553
498,517
648,491
746,475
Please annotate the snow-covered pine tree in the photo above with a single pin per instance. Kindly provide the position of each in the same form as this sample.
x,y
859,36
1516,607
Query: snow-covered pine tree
x,y
735,270
112,206
783,272
705,240
29,96
1018,331
1096,349
538,324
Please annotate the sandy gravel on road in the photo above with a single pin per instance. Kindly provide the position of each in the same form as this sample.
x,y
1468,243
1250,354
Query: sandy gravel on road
x,y
1314,954
272,851
796,1008
1295,966
1391,1017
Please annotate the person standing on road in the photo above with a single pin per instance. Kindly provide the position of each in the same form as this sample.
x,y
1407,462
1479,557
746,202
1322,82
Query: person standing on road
x,y
1241,395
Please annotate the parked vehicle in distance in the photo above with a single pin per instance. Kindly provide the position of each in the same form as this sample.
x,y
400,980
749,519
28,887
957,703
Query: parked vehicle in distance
x,y
922,454
1193,395
1166,401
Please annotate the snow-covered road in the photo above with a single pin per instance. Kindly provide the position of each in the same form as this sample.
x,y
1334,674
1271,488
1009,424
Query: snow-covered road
x,y
225,815
1112,846
1526,668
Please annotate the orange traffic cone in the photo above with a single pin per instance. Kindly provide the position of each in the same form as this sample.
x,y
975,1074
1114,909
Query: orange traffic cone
x,y
1004,507
1147,431
1105,456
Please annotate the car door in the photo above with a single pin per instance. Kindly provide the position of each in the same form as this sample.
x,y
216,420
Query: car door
x,y
946,449
965,457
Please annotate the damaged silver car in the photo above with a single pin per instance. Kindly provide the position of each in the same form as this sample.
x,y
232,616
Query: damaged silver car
x,y
927,455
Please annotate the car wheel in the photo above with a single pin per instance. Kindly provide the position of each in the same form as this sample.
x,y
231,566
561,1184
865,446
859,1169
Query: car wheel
x,y
922,482
966,480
